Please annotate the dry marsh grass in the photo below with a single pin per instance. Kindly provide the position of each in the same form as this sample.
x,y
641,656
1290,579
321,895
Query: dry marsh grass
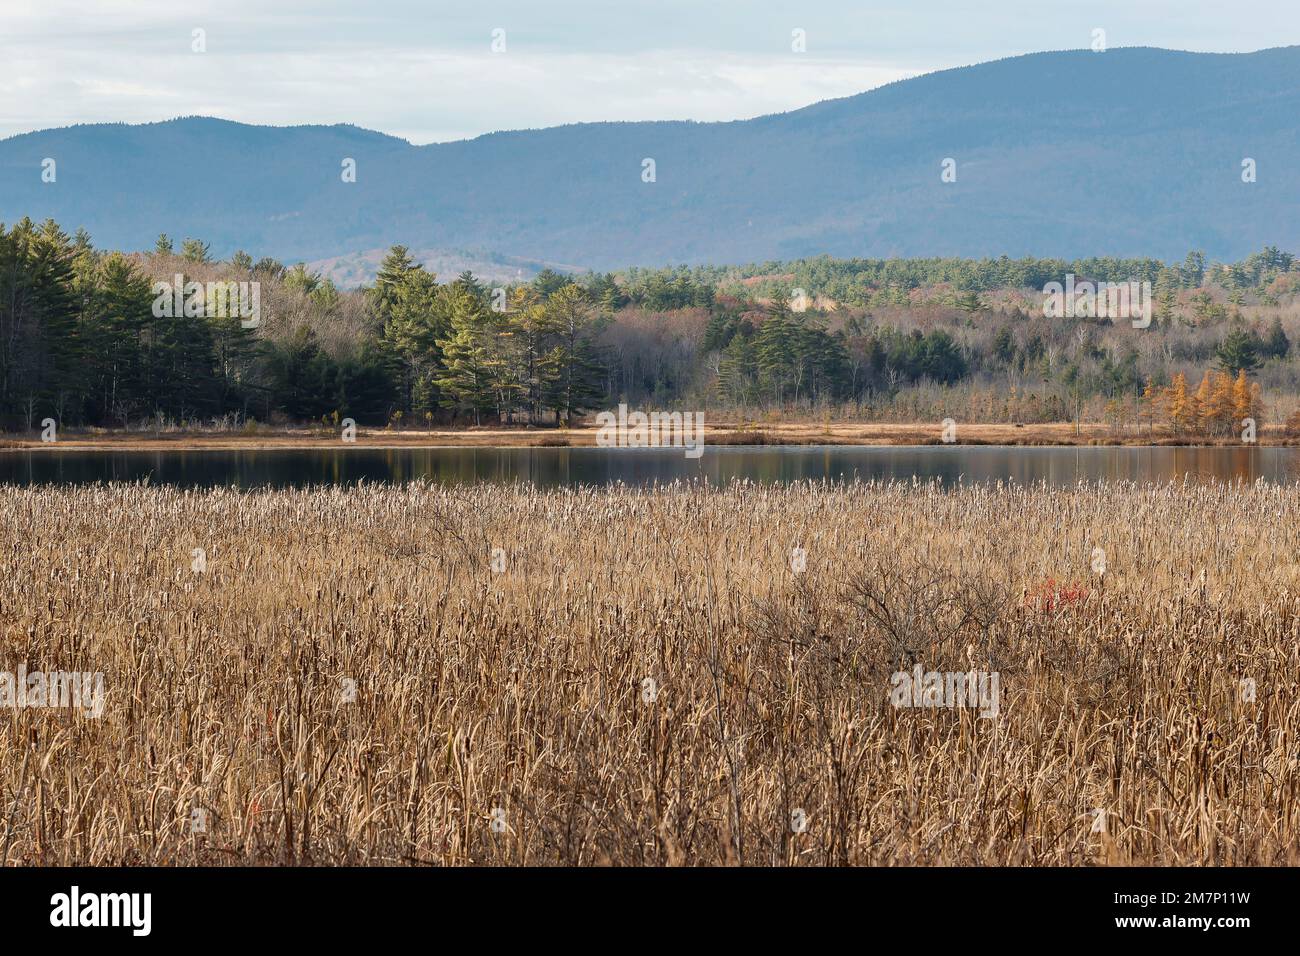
x,y
520,698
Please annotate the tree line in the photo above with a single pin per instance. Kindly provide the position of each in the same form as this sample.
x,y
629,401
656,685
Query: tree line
x,y
80,341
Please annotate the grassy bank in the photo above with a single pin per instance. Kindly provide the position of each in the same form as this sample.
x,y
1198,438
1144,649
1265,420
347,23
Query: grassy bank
x,y
725,433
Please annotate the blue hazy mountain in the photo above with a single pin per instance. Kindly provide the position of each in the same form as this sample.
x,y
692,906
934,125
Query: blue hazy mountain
x,y
1128,152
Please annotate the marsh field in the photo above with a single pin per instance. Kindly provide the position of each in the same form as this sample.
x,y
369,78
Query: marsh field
x,y
680,675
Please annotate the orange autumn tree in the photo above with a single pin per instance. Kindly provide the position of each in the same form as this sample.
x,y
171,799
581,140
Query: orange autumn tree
x,y
1204,405
1246,401
1217,416
1173,403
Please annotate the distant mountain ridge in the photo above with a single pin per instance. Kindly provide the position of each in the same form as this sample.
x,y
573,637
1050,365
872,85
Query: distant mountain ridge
x,y
1129,152
356,269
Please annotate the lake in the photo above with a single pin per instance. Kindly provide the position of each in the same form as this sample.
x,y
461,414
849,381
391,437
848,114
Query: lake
x,y
550,467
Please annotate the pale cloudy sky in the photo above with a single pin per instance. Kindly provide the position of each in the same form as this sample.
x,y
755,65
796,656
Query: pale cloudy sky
x,y
425,70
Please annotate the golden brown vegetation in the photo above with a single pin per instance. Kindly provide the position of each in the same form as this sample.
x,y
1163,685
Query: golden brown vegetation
x,y
527,690
1219,406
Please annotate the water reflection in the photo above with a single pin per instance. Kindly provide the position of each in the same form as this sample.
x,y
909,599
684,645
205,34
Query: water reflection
x,y
550,467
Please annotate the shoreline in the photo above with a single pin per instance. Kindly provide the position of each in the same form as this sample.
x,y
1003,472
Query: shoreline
x,y
584,436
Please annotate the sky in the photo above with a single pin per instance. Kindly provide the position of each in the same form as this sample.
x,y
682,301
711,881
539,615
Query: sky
x,y
426,70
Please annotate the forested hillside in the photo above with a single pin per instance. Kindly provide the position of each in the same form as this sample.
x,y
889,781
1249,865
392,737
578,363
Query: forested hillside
x,y
82,341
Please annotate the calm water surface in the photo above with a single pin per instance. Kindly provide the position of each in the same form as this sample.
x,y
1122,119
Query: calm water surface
x,y
551,467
